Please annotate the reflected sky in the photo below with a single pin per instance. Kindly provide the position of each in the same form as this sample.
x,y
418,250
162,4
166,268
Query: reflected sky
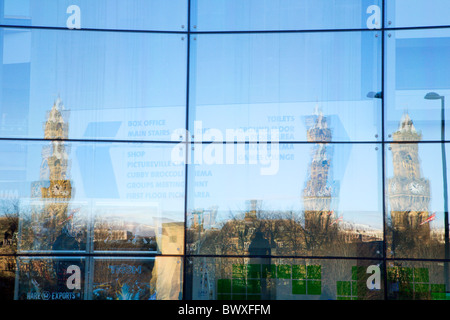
x,y
100,14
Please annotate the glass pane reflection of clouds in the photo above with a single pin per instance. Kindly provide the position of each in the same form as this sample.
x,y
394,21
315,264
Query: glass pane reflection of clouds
x,y
255,15
416,81
133,193
99,14
417,13
68,278
113,85
316,197
278,80
281,279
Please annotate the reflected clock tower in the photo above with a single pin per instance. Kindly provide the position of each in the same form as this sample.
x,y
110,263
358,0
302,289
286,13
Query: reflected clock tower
x,y
54,190
317,194
409,192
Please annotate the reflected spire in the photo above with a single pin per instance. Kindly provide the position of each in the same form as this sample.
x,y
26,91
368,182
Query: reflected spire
x,y
56,127
317,109
319,131
406,130
406,124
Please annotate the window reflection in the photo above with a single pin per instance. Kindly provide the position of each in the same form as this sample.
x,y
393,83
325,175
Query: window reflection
x,y
320,221
99,14
275,80
416,68
50,279
52,222
91,196
54,218
409,191
9,225
227,15
281,279
137,279
8,267
117,85
65,278
84,218
298,211
409,280
415,13
125,227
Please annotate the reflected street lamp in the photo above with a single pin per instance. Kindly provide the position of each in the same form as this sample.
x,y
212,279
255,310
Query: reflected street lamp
x,y
435,96
377,95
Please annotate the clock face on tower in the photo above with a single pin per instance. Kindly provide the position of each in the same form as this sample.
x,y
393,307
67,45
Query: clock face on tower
x,y
416,187
60,189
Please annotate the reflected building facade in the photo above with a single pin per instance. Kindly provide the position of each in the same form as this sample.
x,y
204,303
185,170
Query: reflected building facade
x,y
317,195
409,191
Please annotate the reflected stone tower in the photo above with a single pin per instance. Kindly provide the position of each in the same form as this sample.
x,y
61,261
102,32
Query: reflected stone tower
x,y
317,194
54,190
409,192
60,189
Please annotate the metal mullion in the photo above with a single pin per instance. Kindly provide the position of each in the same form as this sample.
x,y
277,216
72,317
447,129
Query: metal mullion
x,y
10,26
186,166
383,156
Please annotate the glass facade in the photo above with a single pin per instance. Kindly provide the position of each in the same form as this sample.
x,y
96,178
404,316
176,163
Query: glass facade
x,y
224,150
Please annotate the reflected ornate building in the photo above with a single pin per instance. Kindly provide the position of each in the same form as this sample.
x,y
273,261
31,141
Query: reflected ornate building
x,y
204,219
54,190
317,194
47,228
409,192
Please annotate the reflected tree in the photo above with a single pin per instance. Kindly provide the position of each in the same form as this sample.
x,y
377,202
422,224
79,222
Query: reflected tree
x,y
9,222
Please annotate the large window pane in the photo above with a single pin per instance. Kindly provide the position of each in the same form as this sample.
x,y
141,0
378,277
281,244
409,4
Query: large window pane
x,y
312,201
80,278
157,278
85,196
417,13
276,154
99,14
279,81
283,279
417,82
45,278
8,269
417,280
231,15
107,85
415,200
143,209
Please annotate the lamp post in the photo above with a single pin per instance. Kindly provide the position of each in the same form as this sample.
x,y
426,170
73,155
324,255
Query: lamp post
x,y
435,96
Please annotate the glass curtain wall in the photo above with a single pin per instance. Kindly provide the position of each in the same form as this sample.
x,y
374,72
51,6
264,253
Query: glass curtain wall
x,y
224,150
